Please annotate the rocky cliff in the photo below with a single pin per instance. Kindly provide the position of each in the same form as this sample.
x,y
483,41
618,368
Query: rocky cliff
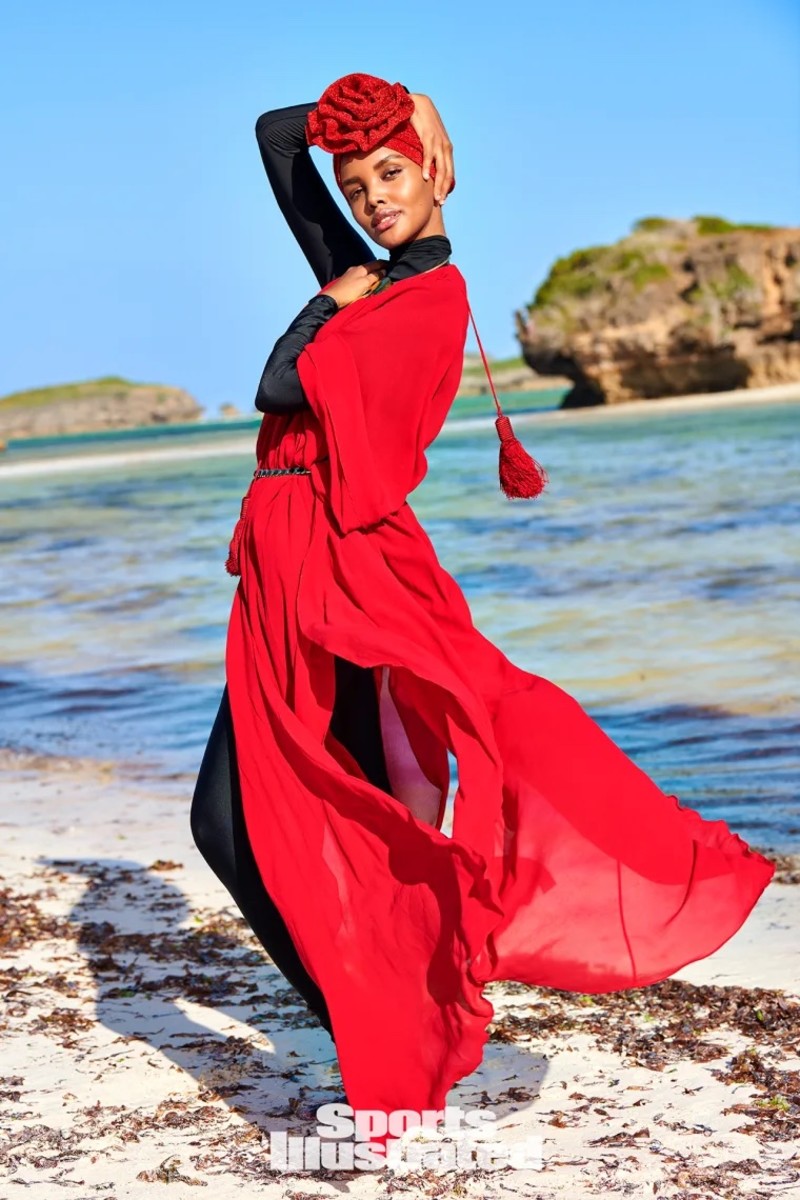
x,y
676,307
110,403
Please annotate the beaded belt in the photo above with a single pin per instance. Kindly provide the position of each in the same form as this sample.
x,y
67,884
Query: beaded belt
x,y
232,565
280,471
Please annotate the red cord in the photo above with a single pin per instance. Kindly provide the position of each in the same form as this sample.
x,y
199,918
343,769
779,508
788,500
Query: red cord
x,y
485,363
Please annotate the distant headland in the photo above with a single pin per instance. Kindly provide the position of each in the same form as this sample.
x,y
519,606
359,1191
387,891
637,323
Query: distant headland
x,y
97,404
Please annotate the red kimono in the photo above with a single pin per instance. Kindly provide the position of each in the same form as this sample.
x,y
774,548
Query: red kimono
x,y
567,867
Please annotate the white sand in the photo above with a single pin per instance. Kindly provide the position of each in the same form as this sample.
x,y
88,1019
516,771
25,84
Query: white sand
x,y
241,445
779,393
153,1080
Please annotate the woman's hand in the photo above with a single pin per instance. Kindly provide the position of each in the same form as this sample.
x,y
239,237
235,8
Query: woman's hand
x,y
436,145
356,282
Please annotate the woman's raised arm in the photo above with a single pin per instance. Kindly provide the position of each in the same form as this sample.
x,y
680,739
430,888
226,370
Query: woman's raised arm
x,y
323,232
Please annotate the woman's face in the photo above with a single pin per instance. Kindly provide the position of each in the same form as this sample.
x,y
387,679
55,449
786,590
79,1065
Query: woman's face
x,y
389,198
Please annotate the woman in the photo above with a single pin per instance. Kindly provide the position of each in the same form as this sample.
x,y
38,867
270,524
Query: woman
x,y
331,246
353,667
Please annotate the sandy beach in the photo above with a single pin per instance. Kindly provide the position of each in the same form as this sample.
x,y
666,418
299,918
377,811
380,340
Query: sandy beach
x,y
235,445
149,1040
779,393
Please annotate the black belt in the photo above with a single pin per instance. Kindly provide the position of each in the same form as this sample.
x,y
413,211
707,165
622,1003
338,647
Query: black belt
x,y
280,471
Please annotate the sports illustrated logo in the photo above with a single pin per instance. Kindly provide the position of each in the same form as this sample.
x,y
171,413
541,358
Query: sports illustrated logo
x,y
445,1139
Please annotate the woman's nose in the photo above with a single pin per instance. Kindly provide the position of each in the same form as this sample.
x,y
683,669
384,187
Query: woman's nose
x,y
376,194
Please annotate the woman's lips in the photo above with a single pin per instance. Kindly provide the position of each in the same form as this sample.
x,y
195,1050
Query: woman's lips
x,y
385,222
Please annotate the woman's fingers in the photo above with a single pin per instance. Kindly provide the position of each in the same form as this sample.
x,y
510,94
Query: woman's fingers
x,y
428,155
439,188
419,125
436,145
448,170
375,272
443,156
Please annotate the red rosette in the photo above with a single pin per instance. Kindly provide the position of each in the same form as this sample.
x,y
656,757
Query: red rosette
x,y
357,113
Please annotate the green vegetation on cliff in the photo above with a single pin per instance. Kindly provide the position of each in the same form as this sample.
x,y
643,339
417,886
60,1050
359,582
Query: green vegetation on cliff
x,y
703,225
57,393
712,225
642,259
110,402
586,271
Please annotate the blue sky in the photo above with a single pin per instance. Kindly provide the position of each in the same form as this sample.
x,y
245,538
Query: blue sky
x,y
139,234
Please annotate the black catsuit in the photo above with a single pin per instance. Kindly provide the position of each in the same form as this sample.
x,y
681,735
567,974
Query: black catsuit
x,y
331,245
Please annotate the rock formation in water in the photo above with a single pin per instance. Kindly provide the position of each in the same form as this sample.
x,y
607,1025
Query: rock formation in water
x,y
98,404
677,307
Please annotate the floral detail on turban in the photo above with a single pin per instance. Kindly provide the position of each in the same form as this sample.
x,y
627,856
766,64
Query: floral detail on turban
x,y
359,112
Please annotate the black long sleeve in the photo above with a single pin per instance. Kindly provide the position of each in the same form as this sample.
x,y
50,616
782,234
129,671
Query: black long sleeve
x,y
280,390
323,232
327,239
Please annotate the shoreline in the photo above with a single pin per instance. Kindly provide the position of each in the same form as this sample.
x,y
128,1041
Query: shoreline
x,y
781,393
242,445
19,763
150,1039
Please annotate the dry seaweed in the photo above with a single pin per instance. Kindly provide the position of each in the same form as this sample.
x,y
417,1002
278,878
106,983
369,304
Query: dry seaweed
x,y
88,966
661,1024
168,1172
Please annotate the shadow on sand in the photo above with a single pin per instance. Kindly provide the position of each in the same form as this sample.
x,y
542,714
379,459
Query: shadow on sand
x,y
196,987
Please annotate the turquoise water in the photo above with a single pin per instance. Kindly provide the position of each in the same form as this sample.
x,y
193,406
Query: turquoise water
x,y
158,436
657,579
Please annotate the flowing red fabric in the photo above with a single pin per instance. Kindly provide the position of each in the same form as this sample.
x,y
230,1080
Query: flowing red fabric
x,y
567,867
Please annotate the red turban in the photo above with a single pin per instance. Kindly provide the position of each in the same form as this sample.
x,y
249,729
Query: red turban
x,y
359,112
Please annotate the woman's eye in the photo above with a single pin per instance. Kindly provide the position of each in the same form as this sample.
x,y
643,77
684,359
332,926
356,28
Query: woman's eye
x,y
388,175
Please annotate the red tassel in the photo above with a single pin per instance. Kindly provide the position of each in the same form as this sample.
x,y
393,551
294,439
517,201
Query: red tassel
x,y
521,477
232,562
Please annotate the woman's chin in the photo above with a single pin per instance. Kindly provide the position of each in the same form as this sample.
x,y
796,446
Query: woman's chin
x,y
398,234
402,231
389,238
